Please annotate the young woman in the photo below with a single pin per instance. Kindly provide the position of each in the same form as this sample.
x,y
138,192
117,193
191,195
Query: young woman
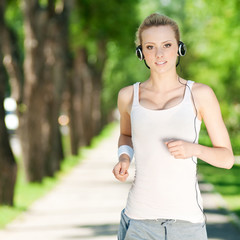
x,y
160,120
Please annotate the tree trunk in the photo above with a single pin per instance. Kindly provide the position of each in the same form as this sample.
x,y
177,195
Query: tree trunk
x,y
85,103
8,169
44,68
31,122
80,107
97,69
75,107
57,69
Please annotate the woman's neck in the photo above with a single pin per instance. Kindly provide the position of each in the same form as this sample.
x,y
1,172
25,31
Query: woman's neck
x,y
162,82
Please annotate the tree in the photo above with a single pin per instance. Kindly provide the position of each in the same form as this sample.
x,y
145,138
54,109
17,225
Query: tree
x,y
8,169
45,68
8,165
94,24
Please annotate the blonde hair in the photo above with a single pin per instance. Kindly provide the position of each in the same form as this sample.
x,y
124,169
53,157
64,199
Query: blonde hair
x,y
155,20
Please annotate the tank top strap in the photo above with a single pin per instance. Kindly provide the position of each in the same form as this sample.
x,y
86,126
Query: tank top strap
x,y
188,94
190,84
136,93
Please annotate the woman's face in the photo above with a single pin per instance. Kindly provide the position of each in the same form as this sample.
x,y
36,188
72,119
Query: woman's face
x,y
160,48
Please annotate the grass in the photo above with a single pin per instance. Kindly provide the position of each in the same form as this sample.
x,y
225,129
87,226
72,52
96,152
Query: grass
x,y
226,182
27,193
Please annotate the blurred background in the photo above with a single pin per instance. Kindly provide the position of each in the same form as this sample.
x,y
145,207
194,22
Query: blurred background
x,y
62,63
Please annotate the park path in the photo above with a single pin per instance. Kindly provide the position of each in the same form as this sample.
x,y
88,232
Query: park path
x,y
86,204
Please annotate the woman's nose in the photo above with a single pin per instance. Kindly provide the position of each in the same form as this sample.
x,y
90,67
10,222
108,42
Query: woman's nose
x,y
159,52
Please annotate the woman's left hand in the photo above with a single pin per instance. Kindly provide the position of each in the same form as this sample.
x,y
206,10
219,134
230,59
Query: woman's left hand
x,y
180,149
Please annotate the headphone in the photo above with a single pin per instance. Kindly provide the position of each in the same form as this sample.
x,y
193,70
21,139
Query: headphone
x,y
182,50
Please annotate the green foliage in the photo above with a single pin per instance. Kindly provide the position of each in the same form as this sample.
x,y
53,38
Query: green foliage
x,y
204,139
215,37
14,18
94,20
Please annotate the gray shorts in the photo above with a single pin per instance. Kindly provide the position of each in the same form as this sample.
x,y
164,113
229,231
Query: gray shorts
x,y
161,229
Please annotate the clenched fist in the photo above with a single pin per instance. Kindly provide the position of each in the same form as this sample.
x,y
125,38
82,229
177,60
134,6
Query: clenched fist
x,y
120,170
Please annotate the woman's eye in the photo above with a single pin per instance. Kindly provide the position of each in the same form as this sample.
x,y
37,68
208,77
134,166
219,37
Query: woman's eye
x,y
168,45
149,47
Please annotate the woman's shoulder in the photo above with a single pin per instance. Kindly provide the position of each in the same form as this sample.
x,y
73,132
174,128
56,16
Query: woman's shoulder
x,y
125,97
126,92
204,97
202,90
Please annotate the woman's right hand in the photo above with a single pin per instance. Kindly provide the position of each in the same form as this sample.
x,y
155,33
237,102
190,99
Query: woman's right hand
x,y
120,170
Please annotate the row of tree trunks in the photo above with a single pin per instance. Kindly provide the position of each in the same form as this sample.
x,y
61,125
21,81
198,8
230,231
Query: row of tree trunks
x,y
38,85
85,97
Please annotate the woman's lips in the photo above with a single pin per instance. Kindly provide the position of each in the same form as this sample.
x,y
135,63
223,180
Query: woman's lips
x,y
160,62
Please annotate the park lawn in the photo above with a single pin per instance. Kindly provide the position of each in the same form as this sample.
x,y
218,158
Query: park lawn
x,y
226,182
27,193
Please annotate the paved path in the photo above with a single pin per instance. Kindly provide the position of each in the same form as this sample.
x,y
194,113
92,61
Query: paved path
x,y
86,205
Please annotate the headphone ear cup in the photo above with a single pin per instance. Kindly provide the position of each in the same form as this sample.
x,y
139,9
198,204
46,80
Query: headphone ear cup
x,y
139,53
182,50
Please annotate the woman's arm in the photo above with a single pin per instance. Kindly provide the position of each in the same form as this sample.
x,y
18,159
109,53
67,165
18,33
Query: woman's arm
x,y
120,170
220,155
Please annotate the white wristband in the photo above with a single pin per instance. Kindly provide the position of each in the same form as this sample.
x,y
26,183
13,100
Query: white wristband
x,y
125,149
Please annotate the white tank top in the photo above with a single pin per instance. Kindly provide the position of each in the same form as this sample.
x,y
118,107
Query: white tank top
x,y
164,187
